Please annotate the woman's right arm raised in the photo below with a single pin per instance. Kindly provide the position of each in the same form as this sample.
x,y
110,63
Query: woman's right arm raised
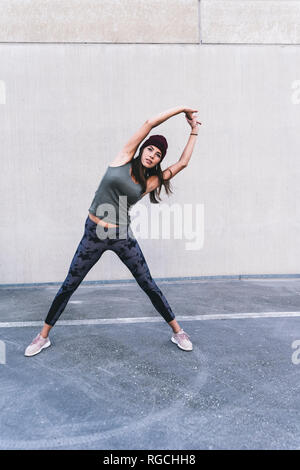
x,y
128,151
161,117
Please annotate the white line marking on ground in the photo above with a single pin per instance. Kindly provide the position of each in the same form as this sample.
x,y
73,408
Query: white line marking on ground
x,y
105,370
108,321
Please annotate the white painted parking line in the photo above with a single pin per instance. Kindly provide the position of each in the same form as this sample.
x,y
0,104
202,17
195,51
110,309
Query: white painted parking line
x,y
108,321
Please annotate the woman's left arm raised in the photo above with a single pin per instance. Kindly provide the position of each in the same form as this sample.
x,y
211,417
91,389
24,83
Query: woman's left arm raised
x,y
183,161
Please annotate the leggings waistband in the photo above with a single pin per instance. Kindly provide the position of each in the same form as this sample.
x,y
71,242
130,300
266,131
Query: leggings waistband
x,y
121,230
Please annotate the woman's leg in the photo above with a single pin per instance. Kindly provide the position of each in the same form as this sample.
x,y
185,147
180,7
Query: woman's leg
x,y
88,252
130,253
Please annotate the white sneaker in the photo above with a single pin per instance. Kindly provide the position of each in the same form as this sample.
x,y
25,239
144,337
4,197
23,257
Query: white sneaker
x,y
37,345
182,340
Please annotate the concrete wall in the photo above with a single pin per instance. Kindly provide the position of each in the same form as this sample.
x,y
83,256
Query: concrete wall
x,y
78,78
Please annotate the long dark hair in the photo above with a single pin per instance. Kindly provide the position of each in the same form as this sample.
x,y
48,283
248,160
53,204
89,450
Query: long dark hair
x,y
140,177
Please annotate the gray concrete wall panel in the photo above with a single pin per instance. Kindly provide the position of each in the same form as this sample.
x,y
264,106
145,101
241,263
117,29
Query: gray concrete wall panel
x,y
99,21
67,110
250,21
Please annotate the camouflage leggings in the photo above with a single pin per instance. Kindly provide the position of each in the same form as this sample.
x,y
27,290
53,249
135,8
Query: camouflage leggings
x,y
89,251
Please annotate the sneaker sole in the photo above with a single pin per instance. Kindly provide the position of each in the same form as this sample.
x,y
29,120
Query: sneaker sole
x,y
46,345
176,342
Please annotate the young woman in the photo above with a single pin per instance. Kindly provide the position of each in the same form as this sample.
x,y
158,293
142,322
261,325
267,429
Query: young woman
x,y
133,179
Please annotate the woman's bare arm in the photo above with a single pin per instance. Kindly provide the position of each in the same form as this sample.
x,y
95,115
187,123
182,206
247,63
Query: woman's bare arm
x,y
127,153
162,117
153,181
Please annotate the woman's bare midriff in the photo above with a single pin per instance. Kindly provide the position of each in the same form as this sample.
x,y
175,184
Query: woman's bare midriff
x,y
96,219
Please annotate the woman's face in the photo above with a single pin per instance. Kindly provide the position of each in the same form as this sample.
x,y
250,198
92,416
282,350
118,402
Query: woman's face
x,y
151,156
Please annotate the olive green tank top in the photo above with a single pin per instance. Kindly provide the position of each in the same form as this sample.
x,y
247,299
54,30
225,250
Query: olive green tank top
x,y
115,195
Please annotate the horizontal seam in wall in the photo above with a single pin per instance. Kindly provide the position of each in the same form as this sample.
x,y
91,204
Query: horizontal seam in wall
x,y
15,43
